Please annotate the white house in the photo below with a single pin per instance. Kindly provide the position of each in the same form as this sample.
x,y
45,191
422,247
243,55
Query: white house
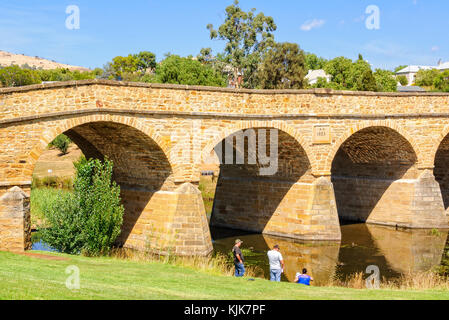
x,y
443,66
313,76
411,71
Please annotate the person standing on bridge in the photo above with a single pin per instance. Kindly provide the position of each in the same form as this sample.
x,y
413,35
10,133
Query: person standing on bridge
x,y
239,261
276,264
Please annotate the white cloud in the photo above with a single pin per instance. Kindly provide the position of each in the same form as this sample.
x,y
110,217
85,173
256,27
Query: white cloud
x,y
312,24
435,48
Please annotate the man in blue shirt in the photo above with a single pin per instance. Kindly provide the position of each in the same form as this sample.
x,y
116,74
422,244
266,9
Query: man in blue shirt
x,y
303,278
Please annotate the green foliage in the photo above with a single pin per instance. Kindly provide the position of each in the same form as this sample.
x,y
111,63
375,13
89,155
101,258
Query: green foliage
x,y
361,76
402,80
385,81
131,67
283,67
14,76
89,219
340,69
248,35
62,142
42,198
146,61
426,78
398,68
67,75
349,75
323,83
177,70
52,182
441,82
313,62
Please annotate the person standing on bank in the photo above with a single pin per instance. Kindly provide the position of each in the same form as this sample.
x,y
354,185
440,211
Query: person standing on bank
x,y
276,264
238,259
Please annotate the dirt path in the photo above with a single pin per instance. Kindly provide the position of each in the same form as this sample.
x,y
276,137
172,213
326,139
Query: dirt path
x,y
41,256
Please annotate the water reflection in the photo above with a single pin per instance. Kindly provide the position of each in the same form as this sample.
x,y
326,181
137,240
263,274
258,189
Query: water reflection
x,y
393,251
320,258
410,250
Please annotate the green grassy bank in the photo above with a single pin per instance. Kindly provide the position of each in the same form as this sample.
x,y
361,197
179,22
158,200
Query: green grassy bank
x,y
24,277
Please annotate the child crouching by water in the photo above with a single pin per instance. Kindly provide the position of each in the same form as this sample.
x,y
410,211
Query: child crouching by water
x,y
303,278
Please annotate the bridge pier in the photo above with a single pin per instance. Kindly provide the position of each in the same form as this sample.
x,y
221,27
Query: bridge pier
x,y
304,211
15,221
166,222
416,204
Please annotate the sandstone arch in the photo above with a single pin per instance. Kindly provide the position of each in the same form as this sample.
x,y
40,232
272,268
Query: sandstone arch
x,y
353,129
441,165
155,204
65,125
245,125
376,180
283,203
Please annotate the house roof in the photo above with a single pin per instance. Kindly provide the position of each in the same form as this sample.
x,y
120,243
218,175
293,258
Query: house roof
x,y
443,66
315,74
414,69
410,89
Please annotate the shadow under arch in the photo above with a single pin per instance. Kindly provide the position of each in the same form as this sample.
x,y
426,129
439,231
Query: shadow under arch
x,y
366,171
247,200
141,167
441,170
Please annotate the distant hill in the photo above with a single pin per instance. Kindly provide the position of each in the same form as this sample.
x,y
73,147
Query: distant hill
x,y
7,59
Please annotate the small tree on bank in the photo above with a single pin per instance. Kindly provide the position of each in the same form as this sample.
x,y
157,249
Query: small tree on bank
x,y
89,220
62,143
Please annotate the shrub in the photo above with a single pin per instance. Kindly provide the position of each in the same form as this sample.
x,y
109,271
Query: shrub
x,y
89,220
426,78
385,81
14,76
62,142
402,80
41,198
441,82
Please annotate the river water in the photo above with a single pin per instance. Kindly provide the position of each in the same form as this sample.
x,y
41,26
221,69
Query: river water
x,y
393,251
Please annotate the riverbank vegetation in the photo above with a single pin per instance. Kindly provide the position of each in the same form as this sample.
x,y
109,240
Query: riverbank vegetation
x,y
87,220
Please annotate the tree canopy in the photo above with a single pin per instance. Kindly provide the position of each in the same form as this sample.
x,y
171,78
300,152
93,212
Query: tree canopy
x,y
283,67
177,70
247,36
14,76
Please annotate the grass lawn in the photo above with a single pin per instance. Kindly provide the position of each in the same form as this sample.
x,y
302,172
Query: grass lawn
x,y
24,277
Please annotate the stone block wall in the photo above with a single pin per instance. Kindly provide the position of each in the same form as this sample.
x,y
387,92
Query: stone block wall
x,y
15,222
166,222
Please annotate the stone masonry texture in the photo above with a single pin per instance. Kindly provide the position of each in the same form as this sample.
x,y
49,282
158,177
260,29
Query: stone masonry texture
x,y
382,159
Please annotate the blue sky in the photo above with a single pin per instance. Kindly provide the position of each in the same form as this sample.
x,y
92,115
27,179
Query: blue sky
x,y
411,31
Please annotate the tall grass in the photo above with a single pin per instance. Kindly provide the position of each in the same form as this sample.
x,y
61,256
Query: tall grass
x,y
217,264
417,280
207,187
52,182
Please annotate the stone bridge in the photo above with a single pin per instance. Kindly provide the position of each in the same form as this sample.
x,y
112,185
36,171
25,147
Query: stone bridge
x,y
380,158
